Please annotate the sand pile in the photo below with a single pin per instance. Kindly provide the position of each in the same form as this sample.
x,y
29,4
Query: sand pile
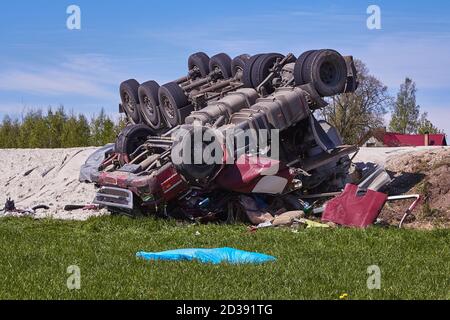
x,y
46,176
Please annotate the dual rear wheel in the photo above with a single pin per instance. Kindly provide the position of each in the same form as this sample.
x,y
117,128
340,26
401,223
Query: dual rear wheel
x,y
155,105
325,69
258,68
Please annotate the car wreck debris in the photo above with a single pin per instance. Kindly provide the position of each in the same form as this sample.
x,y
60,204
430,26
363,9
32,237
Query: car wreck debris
x,y
10,209
233,139
351,209
255,117
72,207
410,209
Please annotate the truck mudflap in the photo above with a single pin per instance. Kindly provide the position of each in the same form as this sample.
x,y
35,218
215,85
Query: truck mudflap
x,y
114,197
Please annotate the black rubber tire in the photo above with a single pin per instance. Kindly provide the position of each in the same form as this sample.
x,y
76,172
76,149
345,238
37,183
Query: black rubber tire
x,y
149,104
129,139
130,99
221,61
327,71
171,99
247,76
238,63
298,69
201,61
308,66
261,68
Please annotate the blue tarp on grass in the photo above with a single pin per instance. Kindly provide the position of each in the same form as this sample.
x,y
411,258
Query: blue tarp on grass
x,y
214,256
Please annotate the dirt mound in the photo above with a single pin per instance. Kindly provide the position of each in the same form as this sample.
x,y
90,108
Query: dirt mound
x,y
420,172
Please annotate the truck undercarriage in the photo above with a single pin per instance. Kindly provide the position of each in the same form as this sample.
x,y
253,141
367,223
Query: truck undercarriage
x,y
247,126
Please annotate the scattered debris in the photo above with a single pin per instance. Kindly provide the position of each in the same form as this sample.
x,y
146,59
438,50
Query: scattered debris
x,y
50,188
255,209
377,178
29,171
343,296
351,209
72,207
266,94
46,172
425,172
93,162
138,174
67,159
410,208
415,171
313,224
9,205
11,210
287,218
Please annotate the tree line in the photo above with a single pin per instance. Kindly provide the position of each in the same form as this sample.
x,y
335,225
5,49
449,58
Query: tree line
x,y
56,128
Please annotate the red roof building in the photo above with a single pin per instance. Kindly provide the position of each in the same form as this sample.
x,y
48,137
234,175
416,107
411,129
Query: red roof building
x,y
391,139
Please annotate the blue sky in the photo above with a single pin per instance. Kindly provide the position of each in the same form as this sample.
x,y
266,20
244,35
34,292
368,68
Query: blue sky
x,y
42,63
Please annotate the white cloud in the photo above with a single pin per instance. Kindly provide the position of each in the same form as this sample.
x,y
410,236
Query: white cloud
x,y
51,82
12,108
83,75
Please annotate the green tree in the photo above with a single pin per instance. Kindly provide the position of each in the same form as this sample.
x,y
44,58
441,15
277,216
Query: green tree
x,y
76,132
9,133
425,125
354,114
405,115
34,131
120,125
56,121
83,131
103,129
57,129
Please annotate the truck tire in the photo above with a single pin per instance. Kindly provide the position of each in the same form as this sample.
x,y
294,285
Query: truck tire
x,y
149,104
247,76
222,62
298,69
130,99
327,71
261,69
129,139
238,64
171,100
200,61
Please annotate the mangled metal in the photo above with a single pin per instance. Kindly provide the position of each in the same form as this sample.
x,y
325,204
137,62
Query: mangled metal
x,y
259,136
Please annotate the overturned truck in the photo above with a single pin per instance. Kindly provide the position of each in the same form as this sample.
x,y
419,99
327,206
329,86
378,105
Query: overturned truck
x,y
229,127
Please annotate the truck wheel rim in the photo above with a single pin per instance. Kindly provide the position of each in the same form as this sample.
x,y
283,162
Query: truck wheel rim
x,y
128,102
149,106
169,109
328,73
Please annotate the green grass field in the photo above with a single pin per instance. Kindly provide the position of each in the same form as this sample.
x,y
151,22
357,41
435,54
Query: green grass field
x,y
311,264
